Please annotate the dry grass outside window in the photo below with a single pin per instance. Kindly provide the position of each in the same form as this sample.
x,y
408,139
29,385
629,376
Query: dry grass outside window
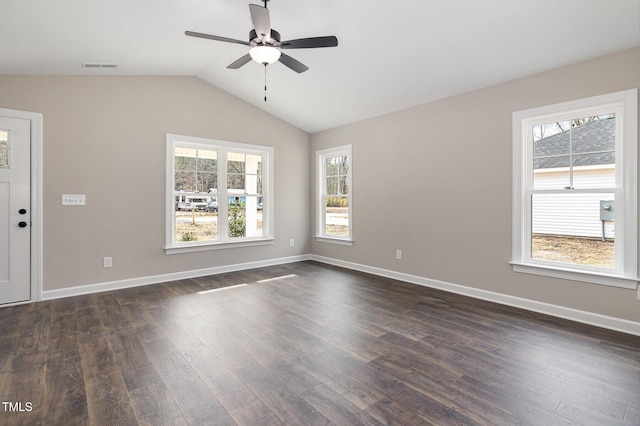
x,y
574,250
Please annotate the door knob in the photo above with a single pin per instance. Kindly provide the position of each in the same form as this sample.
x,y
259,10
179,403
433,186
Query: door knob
x,y
22,224
22,211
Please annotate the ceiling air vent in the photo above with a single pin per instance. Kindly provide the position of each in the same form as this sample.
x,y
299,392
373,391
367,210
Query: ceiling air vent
x,y
97,65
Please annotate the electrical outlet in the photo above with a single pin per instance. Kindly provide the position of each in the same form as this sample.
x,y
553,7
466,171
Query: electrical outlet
x,y
291,242
108,262
398,254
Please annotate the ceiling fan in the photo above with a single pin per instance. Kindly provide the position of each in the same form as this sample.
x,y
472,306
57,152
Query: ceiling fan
x,y
265,42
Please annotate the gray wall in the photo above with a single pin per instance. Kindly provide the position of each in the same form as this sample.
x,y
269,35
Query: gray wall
x,y
105,137
435,181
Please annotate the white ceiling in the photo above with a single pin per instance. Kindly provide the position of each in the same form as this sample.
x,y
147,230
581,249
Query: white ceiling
x,y
391,55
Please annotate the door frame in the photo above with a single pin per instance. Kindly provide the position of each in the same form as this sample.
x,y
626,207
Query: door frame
x,y
36,200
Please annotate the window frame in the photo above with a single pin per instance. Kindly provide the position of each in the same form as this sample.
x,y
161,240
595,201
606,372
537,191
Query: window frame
x,y
321,156
625,106
223,148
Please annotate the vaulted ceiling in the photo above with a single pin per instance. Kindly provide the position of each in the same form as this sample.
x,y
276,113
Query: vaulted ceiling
x,y
391,55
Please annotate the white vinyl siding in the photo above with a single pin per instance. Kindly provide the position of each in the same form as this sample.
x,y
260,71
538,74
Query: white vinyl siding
x,y
572,214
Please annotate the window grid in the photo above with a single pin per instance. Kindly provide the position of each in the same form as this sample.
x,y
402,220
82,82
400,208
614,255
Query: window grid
x,y
334,215
222,186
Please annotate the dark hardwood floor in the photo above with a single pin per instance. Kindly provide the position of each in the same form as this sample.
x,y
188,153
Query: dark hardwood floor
x,y
307,343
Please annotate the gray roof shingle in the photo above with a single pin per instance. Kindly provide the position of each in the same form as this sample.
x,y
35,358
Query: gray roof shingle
x,y
593,144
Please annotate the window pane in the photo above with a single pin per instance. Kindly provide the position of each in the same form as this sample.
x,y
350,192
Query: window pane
x,y
344,185
185,181
207,163
551,160
196,225
551,139
236,169
253,177
207,181
237,217
567,228
564,152
344,164
254,160
185,158
259,178
206,167
195,169
236,182
185,169
236,162
186,164
332,185
329,170
332,166
4,148
594,134
253,209
594,156
337,216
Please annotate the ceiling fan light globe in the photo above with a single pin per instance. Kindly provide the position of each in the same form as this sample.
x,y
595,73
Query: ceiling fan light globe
x,y
265,54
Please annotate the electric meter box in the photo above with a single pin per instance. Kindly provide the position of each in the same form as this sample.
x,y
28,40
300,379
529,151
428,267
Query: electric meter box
x,y
607,210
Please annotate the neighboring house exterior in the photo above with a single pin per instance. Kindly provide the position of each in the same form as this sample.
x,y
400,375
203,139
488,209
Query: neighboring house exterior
x,y
593,158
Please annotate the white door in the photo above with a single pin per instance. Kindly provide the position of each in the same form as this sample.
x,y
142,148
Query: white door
x,y
15,209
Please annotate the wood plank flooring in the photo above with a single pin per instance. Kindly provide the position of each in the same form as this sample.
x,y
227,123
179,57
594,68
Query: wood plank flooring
x,y
307,344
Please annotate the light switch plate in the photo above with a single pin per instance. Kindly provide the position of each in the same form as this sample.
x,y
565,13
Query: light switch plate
x,y
74,199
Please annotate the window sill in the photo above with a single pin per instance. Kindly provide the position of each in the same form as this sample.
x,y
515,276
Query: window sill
x,y
217,246
571,274
331,240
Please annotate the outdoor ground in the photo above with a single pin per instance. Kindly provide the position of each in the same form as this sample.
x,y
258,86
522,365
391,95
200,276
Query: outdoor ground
x,y
204,228
201,226
581,251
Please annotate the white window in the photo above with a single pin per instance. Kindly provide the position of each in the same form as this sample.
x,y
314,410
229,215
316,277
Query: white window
x,y
218,193
574,191
334,218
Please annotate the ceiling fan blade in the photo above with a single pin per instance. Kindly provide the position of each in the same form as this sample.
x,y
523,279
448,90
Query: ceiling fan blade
x,y
294,64
239,62
214,37
261,21
309,43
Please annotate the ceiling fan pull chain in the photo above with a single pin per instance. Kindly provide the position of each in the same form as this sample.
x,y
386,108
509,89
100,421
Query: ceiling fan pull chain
x,y
265,82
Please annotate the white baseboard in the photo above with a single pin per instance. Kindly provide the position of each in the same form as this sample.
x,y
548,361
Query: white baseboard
x,y
155,279
598,320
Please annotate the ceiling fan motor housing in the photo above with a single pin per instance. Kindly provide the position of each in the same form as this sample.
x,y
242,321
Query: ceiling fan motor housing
x,y
254,40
